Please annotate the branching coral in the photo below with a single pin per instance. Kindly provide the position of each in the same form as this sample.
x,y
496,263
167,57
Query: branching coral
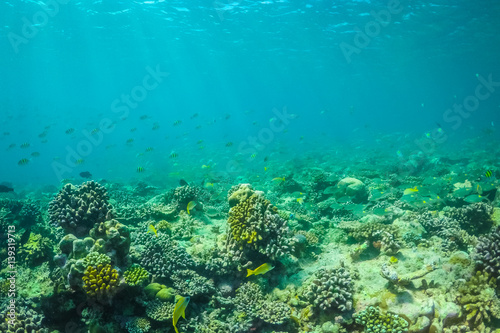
x,y
380,235
100,283
479,300
251,304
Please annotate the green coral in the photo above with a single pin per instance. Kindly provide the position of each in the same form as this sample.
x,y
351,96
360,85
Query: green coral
x,y
138,325
376,322
160,311
36,249
95,259
100,283
479,300
135,276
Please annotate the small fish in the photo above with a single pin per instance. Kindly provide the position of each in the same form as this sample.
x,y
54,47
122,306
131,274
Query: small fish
x,y
174,155
70,130
266,158
35,154
133,129
199,142
488,173
129,141
149,149
393,260
42,135
79,161
144,117
300,201
190,206
479,189
140,169
95,130
12,145
207,185
180,310
194,116
177,122
5,189
410,191
25,145
266,168
85,174
182,182
156,126
151,228
292,216
229,144
279,179
253,156
262,269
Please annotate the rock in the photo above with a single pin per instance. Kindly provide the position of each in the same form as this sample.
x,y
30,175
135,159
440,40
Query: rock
x,y
152,289
354,188
66,243
82,247
329,327
165,294
421,325
460,258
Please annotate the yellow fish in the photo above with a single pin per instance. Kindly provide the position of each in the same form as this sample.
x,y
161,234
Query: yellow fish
x,y
152,229
180,310
205,166
281,179
410,190
300,201
393,260
207,185
262,269
190,205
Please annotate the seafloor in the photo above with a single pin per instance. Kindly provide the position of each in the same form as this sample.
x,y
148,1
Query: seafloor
x,y
356,247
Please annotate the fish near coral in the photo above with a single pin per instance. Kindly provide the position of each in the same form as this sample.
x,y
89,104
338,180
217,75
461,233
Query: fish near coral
x,y
180,310
262,269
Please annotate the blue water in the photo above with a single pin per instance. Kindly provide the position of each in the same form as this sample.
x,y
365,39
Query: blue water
x,y
232,63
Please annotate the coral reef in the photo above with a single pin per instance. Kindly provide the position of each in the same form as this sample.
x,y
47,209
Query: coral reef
x,y
135,276
479,300
100,283
160,311
487,254
188,282
95,258
25,320
35,250
77,209
376,322
161,256
474,218
331,289
255,224
380,235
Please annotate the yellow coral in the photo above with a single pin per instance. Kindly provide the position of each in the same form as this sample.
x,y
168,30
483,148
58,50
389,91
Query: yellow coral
x,y
136,276
100,283
239,219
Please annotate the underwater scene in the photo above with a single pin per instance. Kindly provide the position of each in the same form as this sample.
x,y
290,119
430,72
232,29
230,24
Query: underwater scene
x,y
238,166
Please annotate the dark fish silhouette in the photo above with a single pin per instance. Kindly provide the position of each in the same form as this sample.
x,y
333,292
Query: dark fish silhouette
x,y
182,182
4,189
85,174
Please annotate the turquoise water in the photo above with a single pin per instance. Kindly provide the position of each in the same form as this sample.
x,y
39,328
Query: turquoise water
x,y
265,166
65,69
